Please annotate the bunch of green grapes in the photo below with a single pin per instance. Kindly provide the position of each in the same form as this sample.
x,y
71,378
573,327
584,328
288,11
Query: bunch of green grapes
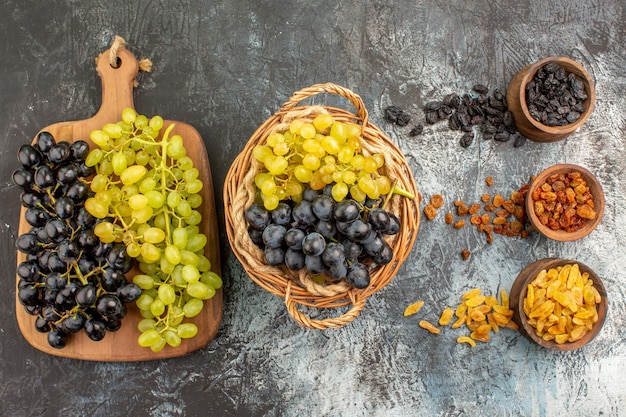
x,y
147,195
318,153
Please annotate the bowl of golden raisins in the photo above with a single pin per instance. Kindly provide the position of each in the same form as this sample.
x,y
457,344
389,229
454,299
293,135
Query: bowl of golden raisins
x,y
559,304
565,202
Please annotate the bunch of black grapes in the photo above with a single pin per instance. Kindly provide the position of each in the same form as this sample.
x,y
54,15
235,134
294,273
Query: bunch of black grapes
x,y
70,280
341,240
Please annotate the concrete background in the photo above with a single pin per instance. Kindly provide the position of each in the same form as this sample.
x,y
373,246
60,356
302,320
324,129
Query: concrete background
x,y
225,67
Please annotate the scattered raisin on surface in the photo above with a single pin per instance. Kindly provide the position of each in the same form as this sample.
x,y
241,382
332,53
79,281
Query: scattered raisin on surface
x,y
465,254
394,114
417,130
430,211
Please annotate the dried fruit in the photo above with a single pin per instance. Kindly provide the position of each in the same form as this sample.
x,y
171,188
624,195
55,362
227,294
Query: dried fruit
x,y
429,326
465,254
465,339
413,308
489,181
446,316
449,218
436,201
430,211
561,304
564,202
555,97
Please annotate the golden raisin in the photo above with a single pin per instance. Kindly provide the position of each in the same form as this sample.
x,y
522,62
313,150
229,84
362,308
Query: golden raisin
x,y
430,212
436,201
474,208
485,198
489,181
465,254
459,224
449,218
413,308
446,316
428,326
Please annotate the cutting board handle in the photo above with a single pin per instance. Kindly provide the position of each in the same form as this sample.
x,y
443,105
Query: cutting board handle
x,y
117,84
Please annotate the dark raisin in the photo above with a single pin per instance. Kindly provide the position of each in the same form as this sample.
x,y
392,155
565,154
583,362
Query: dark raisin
x,y
467,139
394,114
433,105
480,89
432,117
417,130
451,100
453,122
519,141
502,136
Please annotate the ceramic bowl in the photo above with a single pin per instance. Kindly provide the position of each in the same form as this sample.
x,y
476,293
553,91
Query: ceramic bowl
x,y
516,101
561,234
519,291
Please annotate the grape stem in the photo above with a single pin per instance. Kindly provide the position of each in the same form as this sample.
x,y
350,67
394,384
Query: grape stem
x,y
397,190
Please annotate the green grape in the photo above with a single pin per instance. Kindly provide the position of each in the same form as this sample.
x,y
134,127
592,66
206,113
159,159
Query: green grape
x,y
189,258
132,174
323,122
345,154
384,184
190,274
270,202
349,177
113,130
99,183
148,338
196,242
158,345
183,208
94,157
156,122
281,149
150,253
276,165
339,191
295,125
193,186
157,307
330,145
144,301
212,279
303,174
353,130
193,307
179,236
204,265
339,132
146,324
138,202
194,218
259,179
311,162
142,215
172,338
145,282
274,139
156,199
149,187
99,138
153,235
173,199
370,165
166,294
307,131
357,194
187,330
262,152
129,115
268,187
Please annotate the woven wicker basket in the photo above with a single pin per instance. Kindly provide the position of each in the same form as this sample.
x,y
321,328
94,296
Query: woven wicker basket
x,y
298,288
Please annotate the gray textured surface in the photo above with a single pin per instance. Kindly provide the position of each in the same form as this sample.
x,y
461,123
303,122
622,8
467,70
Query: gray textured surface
x,y
225,67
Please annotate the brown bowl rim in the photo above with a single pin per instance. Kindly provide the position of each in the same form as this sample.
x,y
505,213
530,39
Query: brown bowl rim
x,y
561,235
518,294
573,66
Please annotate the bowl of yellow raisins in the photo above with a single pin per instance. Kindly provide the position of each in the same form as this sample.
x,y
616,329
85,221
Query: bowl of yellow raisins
x,y
559,304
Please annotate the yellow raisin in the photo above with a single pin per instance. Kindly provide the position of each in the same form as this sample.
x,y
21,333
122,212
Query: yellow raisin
x,y
428,326
446,316
465,339
475,301
413,308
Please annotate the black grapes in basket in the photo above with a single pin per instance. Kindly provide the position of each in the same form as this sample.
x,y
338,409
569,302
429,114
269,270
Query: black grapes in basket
x,y
341,240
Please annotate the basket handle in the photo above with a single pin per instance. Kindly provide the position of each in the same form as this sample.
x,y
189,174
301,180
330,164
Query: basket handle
x,y
315,89
330,323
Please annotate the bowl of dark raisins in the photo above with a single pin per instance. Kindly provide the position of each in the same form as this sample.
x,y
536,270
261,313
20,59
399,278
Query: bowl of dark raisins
x,y
551,98
565,202
559,304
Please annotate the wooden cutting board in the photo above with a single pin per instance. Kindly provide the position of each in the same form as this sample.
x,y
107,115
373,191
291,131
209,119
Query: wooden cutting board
x,y
119,346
